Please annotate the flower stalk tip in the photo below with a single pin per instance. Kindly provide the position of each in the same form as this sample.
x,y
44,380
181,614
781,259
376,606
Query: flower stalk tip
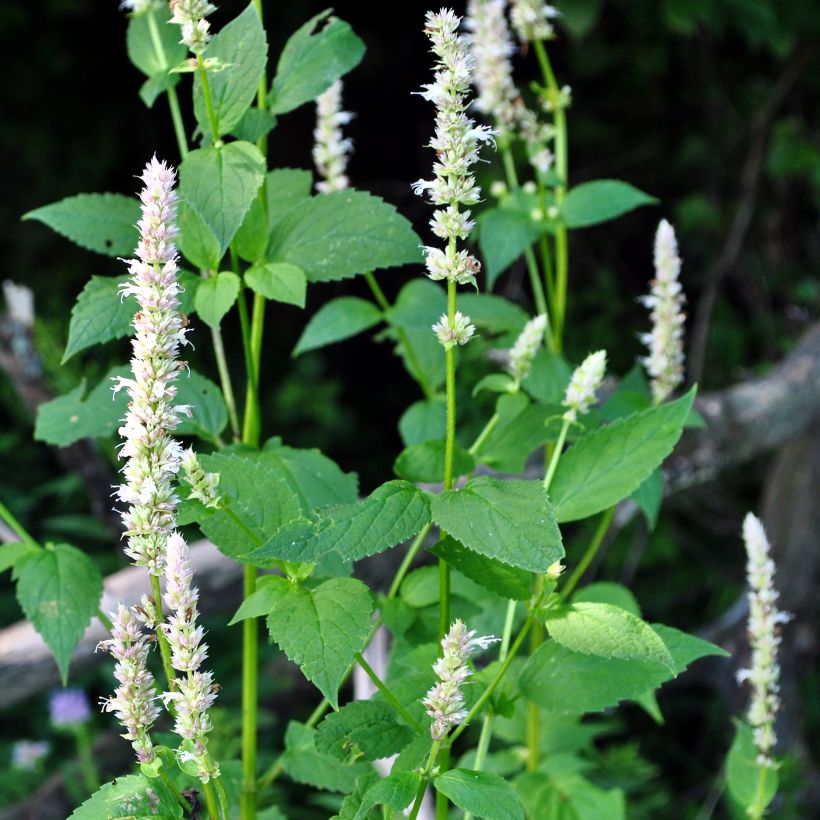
x,y
331,149
584,385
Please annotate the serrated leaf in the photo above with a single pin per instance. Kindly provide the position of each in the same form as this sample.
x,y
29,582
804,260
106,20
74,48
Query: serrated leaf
x,y
607,592
493,313
285,188
215,296
504,234
312,59
242,48
253,125
548,377
397,791
390,515
142,49
11,554
337,320
608,464
105,223
424,462
483,794
497,577
686,649
567,795
220,184
321,629
279,281
649,497
370,726
423,421
340,234
609,632
154,86
252,237
743,773
59,590
353,801
197,242
599,201
209,415
511,521
134,797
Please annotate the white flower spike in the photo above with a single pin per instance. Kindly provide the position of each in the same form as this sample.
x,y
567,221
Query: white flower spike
x,y
584,384
331,149
190,16
526,346
532,20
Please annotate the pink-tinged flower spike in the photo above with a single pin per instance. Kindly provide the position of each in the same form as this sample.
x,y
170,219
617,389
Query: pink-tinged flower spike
x,y
532,20
190,16
445,701
331,149
491,47
456,142
195,692
526,346
584,384
764,637
152,455
134,701
665,301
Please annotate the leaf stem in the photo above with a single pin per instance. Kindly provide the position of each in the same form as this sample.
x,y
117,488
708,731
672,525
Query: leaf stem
x,y
556,455
592,551
756,812
18,529
164,648
209,103
210,801
225,379
484,434
407,561
425,777
84,753
250,685
387,694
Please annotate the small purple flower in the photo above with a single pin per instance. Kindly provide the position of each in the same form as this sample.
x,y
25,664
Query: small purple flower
x,y
26,754
69,708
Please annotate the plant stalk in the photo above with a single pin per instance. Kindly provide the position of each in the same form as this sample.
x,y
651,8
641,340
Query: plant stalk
x,y
592,551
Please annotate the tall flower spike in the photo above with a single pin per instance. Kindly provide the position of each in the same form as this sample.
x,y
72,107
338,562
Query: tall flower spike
x,y
491,47
331,148
526,346
195,692
584,385
532,20
134,699
190,16
445,700
764,637
152,455
665,301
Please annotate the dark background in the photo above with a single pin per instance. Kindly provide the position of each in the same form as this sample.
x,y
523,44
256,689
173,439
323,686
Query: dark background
x,y
711,107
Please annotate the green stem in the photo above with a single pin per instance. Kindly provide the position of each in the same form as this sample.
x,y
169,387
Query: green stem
x,y
211,802
556,454
209,103
592,551
425,776
387,694
252,422
407,561
757,811
164,648
378,293
174,790
84,753
484,434
225,379
16,526
250,684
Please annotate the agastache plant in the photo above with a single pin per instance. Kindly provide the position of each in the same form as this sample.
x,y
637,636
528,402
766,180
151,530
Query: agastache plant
x,y
331,147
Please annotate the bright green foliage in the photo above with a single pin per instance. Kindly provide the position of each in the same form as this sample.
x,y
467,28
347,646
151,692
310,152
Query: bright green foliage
x,y
304,764
369,727
548,377
314,57
134,797
220,184
504,234
600,201
151,60
424,462
254,124
251,239
105,223
337,235
494,382
279,281
607,592
197,242
396,791
609,632
337,320
353,801
493,313
59,590
285,188
496,576
423,421
320,629
608,464
393,513
743,774
686,649
486,795
511,521
215,296
242,48
649,496
15,552
208,412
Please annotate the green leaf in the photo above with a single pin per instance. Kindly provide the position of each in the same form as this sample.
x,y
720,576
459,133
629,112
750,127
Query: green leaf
x,y
390,515
337,235
252,236
608,464
486,795
504,234
337,320
744,773
321,629
424,463
397,791
313,58
368,725
649,496
99,315
567,795
511,521
497,577
686,649
353,801
495,383
141,48
599,201
196,240
279,281
608,632
209,415
105,223
493,313
216,296
548,377
241,46
560,680
607,592
156,85
220,184
254,124
422,421
134,797
59,591
11,554
285,188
